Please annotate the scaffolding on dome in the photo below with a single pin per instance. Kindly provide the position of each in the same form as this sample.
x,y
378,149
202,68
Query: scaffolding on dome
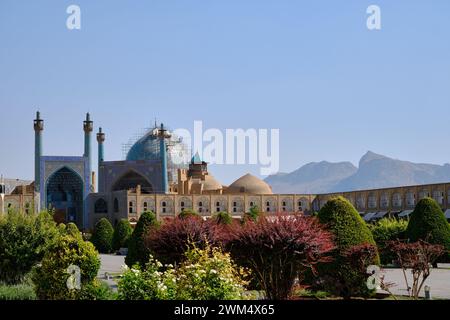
x,y
178,152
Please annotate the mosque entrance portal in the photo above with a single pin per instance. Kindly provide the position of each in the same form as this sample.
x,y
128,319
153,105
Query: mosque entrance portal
x,y
65,196
131,180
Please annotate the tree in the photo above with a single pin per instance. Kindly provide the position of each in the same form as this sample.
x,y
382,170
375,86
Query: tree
x,y
418,258
428,223
122,233
279,250
67,254
102,236
340,276
137,251
24,239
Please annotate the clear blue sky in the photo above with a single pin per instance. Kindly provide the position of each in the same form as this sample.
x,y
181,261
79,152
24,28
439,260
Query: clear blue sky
x,y
309,68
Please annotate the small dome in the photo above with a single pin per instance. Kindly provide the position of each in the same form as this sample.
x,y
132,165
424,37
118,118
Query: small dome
x,y
211,184
249,184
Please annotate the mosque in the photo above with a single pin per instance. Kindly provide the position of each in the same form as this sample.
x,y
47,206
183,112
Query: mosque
x,y
150,179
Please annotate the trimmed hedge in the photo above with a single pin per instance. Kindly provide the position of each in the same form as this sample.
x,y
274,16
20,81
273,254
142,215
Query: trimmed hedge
x,y
350,230
137,251
122,234
427,222
102,236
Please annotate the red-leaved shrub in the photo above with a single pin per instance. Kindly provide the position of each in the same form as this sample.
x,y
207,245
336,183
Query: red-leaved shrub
x,y
279,249
169,243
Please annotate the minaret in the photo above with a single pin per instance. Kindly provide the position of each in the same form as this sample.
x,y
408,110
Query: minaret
x,y
101,154
88,126
38,128
162,134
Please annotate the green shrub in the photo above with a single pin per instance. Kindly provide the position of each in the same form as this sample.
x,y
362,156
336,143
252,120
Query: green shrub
x,y
253,214
122,233
24,238
51,277
205,274
223,218
209,274
17,292
188,213
137,251
97,290
72,230
102,236
349,229
427,222
384,231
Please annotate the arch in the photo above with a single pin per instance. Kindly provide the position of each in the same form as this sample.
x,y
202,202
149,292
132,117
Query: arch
x,y
64,191
100,206
130,180
116,205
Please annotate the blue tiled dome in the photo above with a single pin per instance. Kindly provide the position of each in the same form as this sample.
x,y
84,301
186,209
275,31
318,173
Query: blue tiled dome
x,y
146,148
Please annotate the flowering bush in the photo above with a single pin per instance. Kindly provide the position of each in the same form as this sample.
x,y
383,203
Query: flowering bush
x,y
148,284
206,274
210,274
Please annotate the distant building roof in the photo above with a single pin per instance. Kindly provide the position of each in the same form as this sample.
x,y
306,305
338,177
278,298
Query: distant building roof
x,y
11,184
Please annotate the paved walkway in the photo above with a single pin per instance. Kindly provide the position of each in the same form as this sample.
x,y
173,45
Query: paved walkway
x,y
438,281
111,264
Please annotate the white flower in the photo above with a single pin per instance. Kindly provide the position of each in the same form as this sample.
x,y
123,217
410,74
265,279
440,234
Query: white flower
x,y
124,267
213,271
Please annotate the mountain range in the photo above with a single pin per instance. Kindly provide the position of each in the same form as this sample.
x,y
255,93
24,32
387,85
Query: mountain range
x,y
374,171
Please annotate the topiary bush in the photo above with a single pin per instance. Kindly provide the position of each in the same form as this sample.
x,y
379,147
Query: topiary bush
x,y
350,230
427,222
137,251
122,234
384,231
52,276
24,238
102,236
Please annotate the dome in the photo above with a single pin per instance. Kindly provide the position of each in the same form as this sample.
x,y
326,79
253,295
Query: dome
x,y
211,184
146,148
249,184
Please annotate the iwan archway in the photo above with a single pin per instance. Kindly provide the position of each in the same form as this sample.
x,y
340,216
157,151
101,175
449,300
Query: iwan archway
x,y
64,196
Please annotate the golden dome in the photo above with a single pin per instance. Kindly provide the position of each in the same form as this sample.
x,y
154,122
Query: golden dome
x,y
249,184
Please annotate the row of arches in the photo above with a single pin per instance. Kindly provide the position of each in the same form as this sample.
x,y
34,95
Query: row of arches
x,y
205,205
397,200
